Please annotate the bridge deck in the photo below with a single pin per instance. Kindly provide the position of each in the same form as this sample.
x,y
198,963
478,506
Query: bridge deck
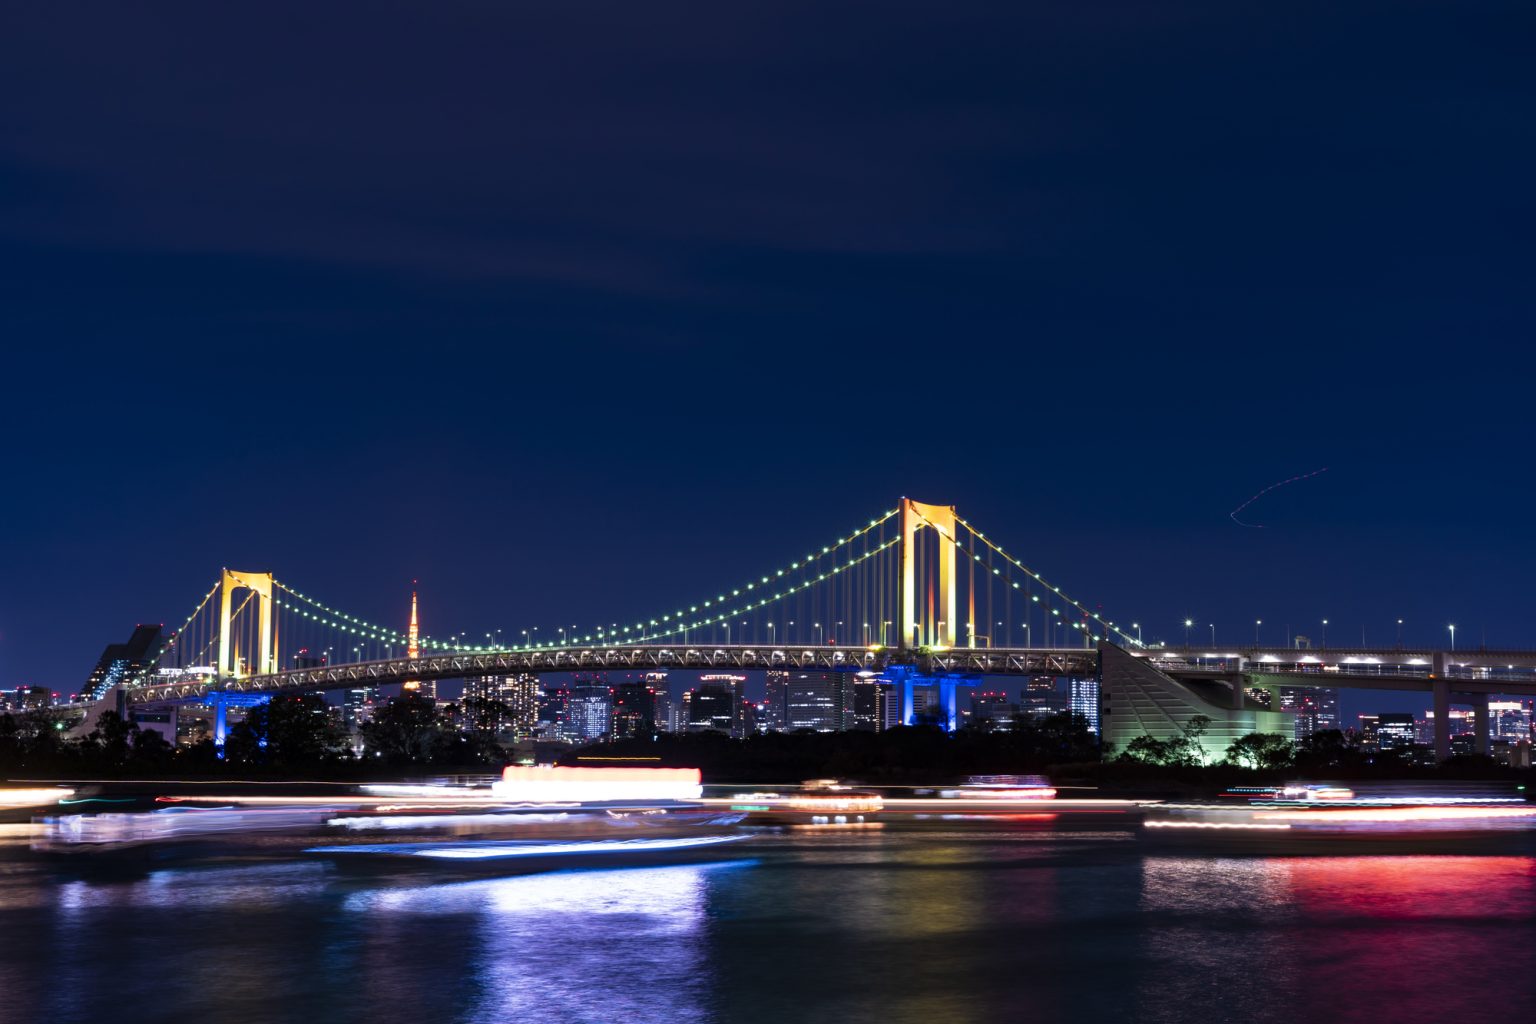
x,y
1481,671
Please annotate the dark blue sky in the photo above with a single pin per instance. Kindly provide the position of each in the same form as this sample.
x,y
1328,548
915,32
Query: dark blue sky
x,y
579,310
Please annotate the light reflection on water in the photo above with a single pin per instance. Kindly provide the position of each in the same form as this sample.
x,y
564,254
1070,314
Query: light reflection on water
x,y
1337,938
587,946
949,926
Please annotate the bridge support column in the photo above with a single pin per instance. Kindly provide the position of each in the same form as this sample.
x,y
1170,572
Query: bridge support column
x,y
1442,707
220,724
1481,723
947,694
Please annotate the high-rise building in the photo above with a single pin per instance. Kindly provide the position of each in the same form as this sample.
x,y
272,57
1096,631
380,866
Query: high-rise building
x,y
120,661
1463,723
1510,720
736,686
820,701
890,706
589,711
633,710
520,695
1043,697
34,698
1316,709
927,708
1366,729
1084,700
555,712
992,707
712,707
1395,731
507,705
866,703
357,706
666,712
776,701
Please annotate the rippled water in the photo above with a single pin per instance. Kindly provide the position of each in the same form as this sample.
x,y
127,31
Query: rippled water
x,y
812,926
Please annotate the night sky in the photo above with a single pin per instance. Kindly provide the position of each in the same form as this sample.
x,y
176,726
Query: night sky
x,y
578,311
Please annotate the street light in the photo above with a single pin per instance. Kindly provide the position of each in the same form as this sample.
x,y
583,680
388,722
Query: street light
x,y
1256,624
1399,634
1325,634
1213,634
1137,627
1188,623
1453,638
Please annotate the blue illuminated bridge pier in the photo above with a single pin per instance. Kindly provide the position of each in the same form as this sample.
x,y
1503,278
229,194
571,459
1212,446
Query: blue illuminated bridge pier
x,y
917,596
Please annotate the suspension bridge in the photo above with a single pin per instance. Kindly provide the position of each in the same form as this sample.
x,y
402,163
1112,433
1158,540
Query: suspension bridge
x,y
916,584
916,594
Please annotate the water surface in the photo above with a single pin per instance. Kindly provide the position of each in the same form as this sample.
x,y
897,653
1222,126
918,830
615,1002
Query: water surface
x,y
812,925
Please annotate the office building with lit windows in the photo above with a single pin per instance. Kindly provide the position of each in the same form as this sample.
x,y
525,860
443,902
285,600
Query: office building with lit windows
x,y
1083,698
1395,731
819,701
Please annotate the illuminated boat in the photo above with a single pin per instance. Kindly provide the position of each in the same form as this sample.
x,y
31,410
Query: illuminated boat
x,y
503,856
553,784
79,833
818,802
1002,787
1346,826
523,819
18,805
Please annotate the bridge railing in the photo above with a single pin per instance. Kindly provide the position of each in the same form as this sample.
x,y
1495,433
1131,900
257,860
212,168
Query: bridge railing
x,y
741,657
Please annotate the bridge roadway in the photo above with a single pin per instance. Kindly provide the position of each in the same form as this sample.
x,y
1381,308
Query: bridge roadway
x,y
1467,672
1370,668
637,658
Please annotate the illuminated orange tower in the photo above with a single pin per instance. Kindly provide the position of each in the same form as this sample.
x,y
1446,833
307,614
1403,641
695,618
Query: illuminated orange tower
x,y
413,651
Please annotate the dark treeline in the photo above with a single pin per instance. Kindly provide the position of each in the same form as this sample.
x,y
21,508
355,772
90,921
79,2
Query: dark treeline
x,y
295,737
906,755
291,736
1060,747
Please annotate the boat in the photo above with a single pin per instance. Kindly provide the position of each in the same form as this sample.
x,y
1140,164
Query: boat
x,y
513,856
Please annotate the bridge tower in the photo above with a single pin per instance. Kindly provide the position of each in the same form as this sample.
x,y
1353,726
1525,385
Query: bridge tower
x,y
259,584
914,632
939,626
